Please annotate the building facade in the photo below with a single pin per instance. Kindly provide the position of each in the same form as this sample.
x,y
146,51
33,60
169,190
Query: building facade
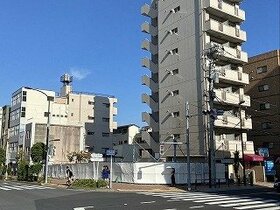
x,y
264,71
181,33
4,121
90,115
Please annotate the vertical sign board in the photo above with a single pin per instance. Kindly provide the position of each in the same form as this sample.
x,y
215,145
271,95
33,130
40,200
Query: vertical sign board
x,y
96,157
111,152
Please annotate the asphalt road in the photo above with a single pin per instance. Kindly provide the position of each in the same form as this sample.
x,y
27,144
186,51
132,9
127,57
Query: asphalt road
x,y
19,196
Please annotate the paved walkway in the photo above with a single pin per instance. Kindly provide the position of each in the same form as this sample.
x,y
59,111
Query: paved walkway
x,y
166,188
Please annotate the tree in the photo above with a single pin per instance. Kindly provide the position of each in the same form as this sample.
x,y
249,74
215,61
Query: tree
x,y
38,152
79,157
2,156
236,163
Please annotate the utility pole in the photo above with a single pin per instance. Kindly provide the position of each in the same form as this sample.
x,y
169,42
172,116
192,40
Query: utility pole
x,y
188,147
242,143
212,54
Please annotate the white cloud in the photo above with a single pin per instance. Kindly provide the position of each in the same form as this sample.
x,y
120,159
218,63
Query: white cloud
x,y
79,73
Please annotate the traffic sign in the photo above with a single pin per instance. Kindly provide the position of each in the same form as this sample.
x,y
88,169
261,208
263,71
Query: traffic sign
x,y
110,152
96,157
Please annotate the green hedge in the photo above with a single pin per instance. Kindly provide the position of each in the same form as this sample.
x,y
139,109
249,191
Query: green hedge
x,y
89,183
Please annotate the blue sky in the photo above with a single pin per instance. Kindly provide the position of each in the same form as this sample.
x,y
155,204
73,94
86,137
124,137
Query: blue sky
x,y
99,43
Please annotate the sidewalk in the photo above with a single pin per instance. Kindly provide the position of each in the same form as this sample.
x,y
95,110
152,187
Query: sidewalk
x,y
127,187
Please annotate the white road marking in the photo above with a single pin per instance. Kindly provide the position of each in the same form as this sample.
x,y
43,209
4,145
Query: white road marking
x,y
258,206
83,208
246,203
228,201
2,188
271,208
196,207
146,202
221,198
11,187
200,198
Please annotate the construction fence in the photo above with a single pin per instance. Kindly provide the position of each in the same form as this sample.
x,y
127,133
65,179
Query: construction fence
x,y
140,173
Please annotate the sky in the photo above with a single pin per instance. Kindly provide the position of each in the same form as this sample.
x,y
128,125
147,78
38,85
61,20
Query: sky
x,y
98,42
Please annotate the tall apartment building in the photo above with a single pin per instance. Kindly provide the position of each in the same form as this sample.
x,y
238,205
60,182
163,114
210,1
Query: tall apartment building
x,y
264,71
181,32
4,122
78,120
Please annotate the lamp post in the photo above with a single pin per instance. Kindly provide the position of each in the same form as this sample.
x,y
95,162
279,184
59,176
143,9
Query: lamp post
x,y
49,99
242,143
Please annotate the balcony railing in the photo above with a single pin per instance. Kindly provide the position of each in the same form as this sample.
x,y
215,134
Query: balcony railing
x,y
146,10
148,28
146,117
147,45
147,63
228,33
233,76
147,99
233,122
231,98
225,10
149,83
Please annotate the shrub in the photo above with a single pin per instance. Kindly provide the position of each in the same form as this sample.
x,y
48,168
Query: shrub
x,y
23,171
101,183
84,183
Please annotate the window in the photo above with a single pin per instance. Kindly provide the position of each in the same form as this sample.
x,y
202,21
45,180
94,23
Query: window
x,y
176,136
175,92
105,134
266,125
72,100
72,114
175,114
91,102
265,106
174,51
23,95
261,69
174,71
176,9
105,119
107,105
263,88
90,133
23,111
174,31
90,117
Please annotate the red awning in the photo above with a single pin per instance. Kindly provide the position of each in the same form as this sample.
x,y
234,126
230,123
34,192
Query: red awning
x,y
253,158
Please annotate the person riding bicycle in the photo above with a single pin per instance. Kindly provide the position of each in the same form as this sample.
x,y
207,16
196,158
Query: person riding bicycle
x,y
69,175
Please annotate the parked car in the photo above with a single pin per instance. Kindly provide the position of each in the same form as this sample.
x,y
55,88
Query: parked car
x,y
277,185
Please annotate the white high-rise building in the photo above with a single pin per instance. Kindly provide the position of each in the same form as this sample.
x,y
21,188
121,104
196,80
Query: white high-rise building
x,y
181,33
78,121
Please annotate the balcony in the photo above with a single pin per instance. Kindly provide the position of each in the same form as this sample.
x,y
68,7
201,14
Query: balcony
x,y
149,83
233,122
147,45
234,55
115,111
225,32
148,28
147,63
147,99
114,125
146,10
234,77
225,10
150,141
231,98
146,117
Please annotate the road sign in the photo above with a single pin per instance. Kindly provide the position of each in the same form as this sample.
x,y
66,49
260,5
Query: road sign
x,y
110,152
96,157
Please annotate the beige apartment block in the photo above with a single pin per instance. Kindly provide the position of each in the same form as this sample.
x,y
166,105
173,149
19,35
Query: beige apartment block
x,y
180,33
264,71
78,120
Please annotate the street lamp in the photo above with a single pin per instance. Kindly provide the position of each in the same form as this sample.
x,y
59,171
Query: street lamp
x,y
242,143
49,99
